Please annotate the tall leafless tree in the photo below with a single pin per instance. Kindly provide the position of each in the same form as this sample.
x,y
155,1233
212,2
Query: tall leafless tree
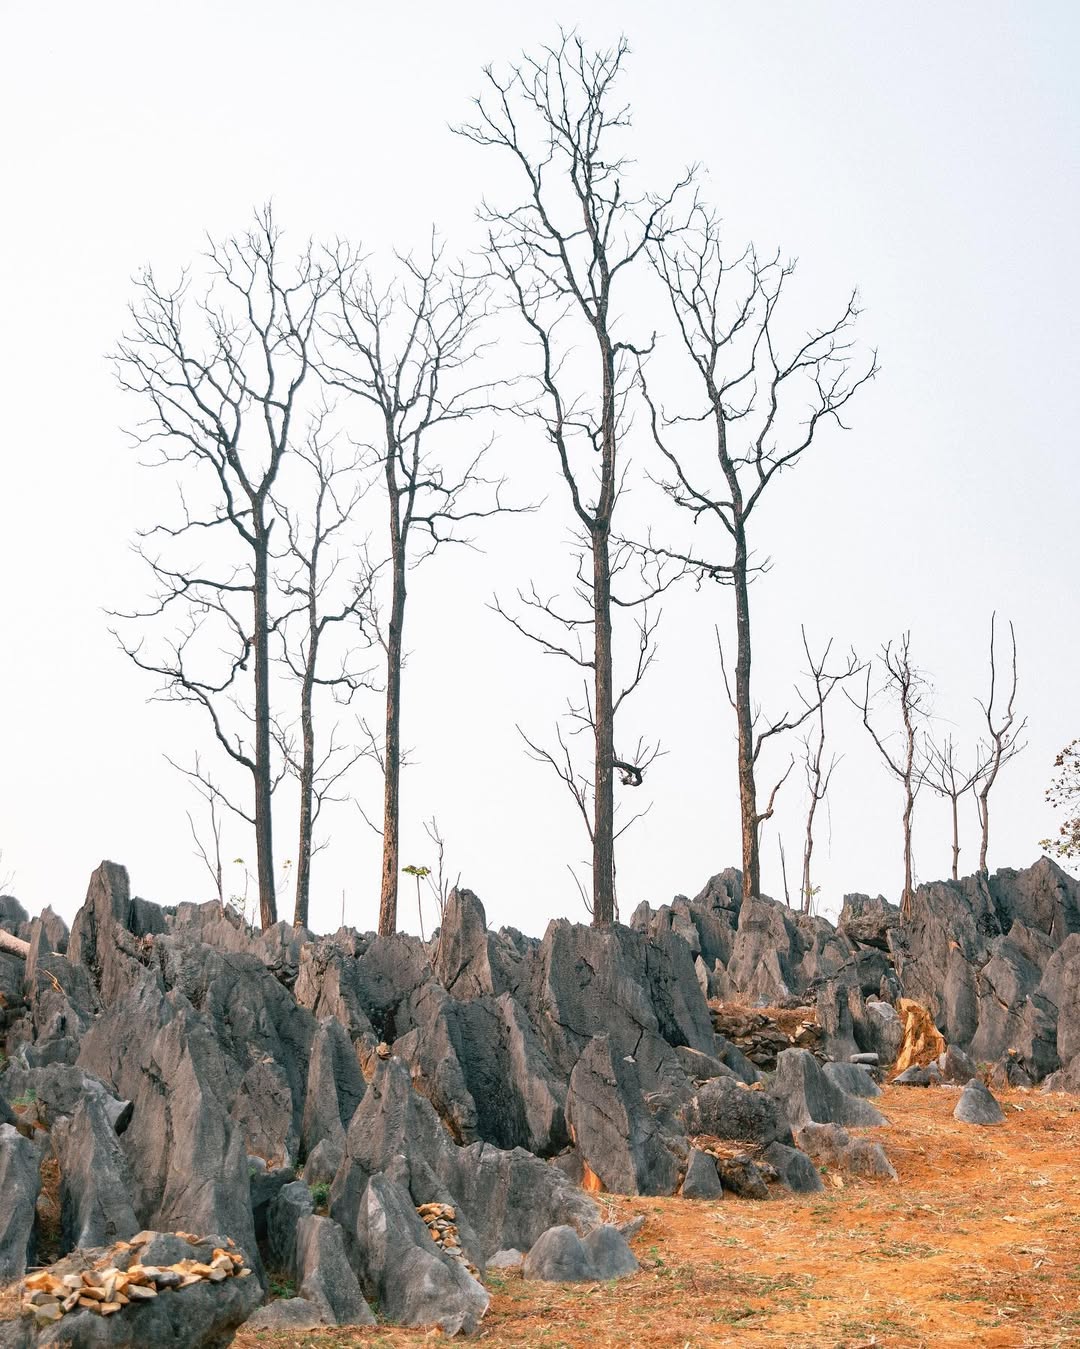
x,y
764,402
564,252
326,599
818,773
907,687
1003,734
945,777
409,351
220,371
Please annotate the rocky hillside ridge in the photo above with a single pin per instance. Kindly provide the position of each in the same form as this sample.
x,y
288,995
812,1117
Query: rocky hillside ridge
x,y
182,1070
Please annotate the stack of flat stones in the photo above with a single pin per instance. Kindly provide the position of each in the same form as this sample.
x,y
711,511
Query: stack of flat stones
x,y
441,1222
118,1277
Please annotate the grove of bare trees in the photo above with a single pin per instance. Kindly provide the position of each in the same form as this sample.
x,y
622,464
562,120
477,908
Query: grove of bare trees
x,y
327,424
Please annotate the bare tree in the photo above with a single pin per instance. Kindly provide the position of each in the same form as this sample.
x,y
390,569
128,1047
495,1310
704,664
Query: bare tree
x,y
908,688
818,774
945,777
563,253
1002,744
764,403
325,604
408,352
220,372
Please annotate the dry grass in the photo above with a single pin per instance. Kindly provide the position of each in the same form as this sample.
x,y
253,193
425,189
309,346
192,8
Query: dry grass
x,y
977,1245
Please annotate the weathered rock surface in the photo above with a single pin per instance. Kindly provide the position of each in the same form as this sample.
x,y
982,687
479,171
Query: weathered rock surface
x,y
20,1181
702,1180
725,1108
833,1145
416,1283
794,1168
808,1096
96,1185
291,1205
852,1078
977,1105
324,1275
201,1314
561,1256
284,1314
620,1141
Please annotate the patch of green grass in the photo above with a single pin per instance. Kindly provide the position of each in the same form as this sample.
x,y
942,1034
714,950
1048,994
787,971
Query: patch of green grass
x,y
320,1193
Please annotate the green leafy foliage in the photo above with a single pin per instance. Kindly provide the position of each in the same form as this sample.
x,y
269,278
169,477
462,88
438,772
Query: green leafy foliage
x,y
1064,794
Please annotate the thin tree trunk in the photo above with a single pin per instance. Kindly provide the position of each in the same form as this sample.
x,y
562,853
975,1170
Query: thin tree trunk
x,y
909,809
808,851
744,717
603,782
307,774
955,839
984,820
264,843
388,895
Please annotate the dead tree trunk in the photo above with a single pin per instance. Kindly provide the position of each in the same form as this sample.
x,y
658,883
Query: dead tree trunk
x,y
909,687
560,251
1001,742
13,945
222,379
765,409
391,857
408,351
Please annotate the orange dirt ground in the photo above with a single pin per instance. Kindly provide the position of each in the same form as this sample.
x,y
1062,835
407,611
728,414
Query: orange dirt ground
x,y
978,1244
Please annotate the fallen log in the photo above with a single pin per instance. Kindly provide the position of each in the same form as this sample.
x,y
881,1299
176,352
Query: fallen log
x,y
15,945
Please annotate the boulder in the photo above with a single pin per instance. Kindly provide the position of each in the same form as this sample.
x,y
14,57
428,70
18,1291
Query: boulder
x,y
617,1137
977,1105
202,1314
880,1030
834,1146
853,1078
324,1161
324,1275
743,1177
807,1095
701,1180
794,1168
95,1181
639,991
725,1108
560,1256
919,1076
510,1259
867,921
955,1066
285,1314
610,1253
20,1181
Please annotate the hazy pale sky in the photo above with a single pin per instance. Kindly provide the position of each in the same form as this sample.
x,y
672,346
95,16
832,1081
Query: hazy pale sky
x,y
926,153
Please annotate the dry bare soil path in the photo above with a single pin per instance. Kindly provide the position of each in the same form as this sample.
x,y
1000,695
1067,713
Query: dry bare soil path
x,y
978,1244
